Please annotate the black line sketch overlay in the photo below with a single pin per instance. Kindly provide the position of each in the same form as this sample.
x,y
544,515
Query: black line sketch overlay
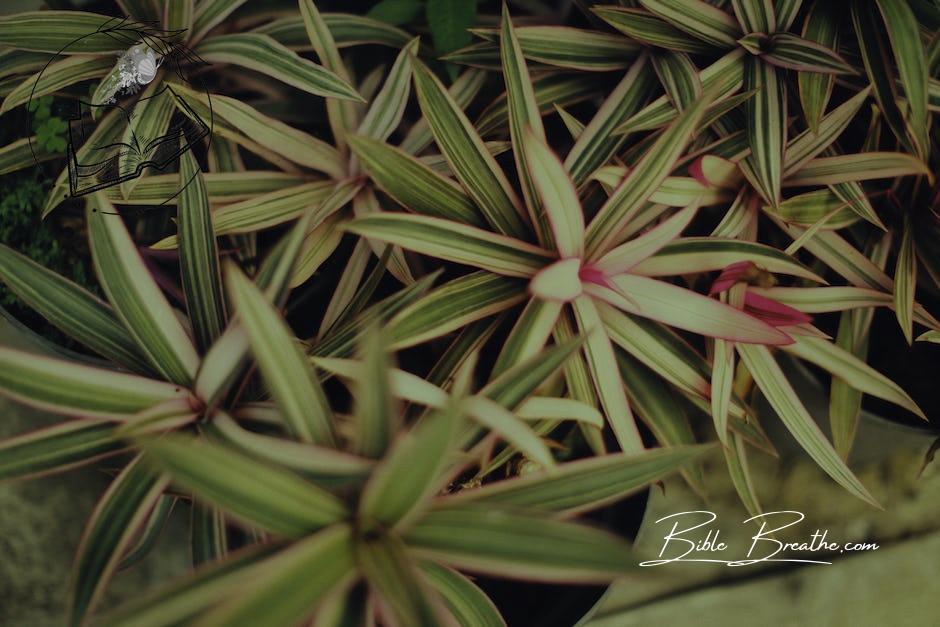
x,y
112,163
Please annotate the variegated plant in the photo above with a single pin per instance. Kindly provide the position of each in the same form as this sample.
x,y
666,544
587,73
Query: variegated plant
x,y
650,262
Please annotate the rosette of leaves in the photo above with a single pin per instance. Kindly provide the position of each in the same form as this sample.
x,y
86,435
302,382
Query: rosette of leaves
x,y
703,145
176,408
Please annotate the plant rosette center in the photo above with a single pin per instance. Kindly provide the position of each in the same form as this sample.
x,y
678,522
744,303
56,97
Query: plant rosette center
x,y
564,280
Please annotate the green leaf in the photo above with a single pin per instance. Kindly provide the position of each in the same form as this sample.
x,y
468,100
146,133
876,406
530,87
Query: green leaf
x,y
507,543
780,394
766,126
60,447
221,187
402,485
122,510
149,119
678,76
685,309
905,282
57,31
449,21
524,118
755,16
822,27
811,142
274,499
902,25
262,54
24,153
508,427
55,77
396,12
136,298
857,167
556,191
569,48
599,354
648,174
375,412
199,256
388,105
807,209
71,309
285,588
699,19
598,143
393,574
469,605
267,132
184,597
626,256
930,336
471,162
877,58
341,113
583,485
852,370
286,372
650,29
795,53
412,184
208,535
211,13
454,242
179,15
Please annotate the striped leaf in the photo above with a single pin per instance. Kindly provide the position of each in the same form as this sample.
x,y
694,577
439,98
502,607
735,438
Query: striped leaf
x,y
722,78
821,26
274,596
795,53
57,31
75,389
23,153
558,196
900,23
685,309
414,185
849,368
402,485
342,114
678,76
930,336
392,573
808,209
857,167
286,372
388,106
599,354
71,308
347,30
699,19
648,174
624,257
905,282
597,144
454,242
375,411
780,394
135,296
60,447
786,12
277,207
811,142
121,512
262,54
524,118
221,187
259,494
469,605
463,91
209,14
702,254
472,164
650,29
179,15
506,543
199,256
766,127
454,305
503,423
54,77
272,134
583,485
150,118
755,16
877,57
572,48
